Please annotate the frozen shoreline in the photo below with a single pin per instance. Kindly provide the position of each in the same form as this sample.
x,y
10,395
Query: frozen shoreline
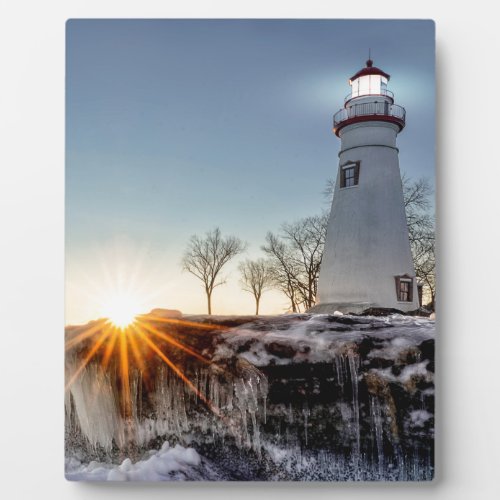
x,y
295,397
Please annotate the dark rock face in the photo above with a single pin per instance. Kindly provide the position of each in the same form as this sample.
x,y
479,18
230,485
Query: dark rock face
x,y
281,350
297,397
380,311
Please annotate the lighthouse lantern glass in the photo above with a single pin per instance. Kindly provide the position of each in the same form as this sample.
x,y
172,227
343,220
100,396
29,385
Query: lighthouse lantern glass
x,y
368,85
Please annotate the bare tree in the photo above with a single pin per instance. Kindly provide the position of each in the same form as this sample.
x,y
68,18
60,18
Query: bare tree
x,y
424,257
329,190
283,269
416,196
205,258
255,278
295,255
307,240
421,232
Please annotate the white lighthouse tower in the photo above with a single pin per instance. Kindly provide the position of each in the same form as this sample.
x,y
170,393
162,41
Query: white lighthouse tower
x,y
367,260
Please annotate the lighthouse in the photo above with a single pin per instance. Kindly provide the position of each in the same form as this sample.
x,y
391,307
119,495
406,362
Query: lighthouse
x,y
367,260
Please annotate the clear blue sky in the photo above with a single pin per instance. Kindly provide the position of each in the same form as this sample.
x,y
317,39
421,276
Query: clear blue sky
x,y
176,126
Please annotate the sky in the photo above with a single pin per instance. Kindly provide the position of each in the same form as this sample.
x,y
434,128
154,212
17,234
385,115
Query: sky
x,y
174,127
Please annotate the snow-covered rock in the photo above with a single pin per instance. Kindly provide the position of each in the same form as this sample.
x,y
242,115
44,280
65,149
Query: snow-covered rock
x,y
299,396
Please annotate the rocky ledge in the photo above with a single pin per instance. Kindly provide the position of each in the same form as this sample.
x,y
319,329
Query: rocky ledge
x,y
293,397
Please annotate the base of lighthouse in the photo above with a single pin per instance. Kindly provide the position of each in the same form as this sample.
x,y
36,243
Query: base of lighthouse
x,y
352,308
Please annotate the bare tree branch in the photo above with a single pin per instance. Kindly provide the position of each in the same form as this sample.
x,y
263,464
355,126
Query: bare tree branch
x,y
295,258
205,258
255,278
329,190
421,232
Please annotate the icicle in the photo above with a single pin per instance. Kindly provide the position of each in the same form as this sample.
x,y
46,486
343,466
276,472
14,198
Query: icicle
x,y
241,391
340,370
306,412
264,408
376,416
95,407
353,366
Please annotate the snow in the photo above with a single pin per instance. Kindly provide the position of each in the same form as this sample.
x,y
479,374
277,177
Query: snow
x,y
419,417
415,370
177,463
393,349
409,373
317,338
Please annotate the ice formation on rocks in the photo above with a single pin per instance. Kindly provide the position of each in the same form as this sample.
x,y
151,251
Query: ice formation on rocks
x,y
319,397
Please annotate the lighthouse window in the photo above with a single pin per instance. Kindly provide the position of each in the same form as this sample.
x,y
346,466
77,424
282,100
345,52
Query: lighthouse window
x,y
349,175
404,289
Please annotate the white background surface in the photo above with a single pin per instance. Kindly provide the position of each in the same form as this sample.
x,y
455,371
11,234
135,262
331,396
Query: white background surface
x,y
32,246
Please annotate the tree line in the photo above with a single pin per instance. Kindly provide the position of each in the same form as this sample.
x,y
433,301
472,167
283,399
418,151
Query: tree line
x,y
292,256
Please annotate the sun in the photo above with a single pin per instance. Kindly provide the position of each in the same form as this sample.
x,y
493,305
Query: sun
x,y
121,309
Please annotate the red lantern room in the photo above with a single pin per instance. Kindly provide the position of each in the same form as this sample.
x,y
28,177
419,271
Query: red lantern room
x,y
369,81
369,100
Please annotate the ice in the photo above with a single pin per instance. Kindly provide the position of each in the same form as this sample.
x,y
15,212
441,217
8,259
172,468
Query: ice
x,y
95,407
378,431
237,406
353,367
315,397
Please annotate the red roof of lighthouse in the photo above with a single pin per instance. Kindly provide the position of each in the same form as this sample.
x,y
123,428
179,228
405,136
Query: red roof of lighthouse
x,y
370,69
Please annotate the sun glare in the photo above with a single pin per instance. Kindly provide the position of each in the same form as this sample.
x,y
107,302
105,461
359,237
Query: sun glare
x,y
121,309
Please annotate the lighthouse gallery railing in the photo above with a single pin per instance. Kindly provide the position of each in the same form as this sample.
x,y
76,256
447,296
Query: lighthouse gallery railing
x,y
369,109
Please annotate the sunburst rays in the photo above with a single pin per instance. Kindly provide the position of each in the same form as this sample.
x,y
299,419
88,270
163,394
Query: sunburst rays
x,y
124,342
128,348
124,374
84,333
177,371
171,341
96,345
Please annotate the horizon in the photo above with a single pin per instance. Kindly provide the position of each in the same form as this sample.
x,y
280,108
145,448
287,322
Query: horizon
x,y
174,127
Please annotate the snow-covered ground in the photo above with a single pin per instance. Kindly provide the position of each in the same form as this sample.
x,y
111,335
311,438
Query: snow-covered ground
x,y
321,337
167,464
